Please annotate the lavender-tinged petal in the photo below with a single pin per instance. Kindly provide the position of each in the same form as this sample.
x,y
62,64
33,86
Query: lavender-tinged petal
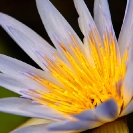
x,y
47,113
27,39
16,106
130,53
127,91
25,107
107,111
103,113
103,21
57,27
102,16
13,66
85,19
129,44
27,97
128,109
41,56
19,84
23,39
127,28
86,22
87,115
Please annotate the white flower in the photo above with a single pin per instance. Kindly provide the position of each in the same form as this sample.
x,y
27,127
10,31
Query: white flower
x,y
80,86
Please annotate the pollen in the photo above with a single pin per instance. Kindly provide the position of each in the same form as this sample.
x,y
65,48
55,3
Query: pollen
x,y
84,85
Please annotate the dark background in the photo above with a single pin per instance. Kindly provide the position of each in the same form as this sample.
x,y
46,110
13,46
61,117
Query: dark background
x,y
26,12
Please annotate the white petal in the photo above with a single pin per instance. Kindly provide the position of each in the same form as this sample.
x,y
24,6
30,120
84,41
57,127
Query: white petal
x,y
26,38
102,16
103,21
25,107
57,27
128,85
130,53
85,23
37,129
85,19
127,27
13,66
18,83
128,109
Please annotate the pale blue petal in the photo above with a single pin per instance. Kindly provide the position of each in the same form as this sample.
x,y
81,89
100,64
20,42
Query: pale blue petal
x,y
26,107
57,27
26,38
107,111
128,109
128,85
127,27
87,115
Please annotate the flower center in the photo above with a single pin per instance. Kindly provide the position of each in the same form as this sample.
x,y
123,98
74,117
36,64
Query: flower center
x,y
84,83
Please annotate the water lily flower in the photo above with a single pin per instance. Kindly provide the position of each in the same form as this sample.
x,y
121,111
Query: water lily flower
x,y
82,85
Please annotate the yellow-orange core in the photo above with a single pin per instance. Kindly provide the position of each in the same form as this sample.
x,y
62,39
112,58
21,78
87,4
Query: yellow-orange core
x,y
85,84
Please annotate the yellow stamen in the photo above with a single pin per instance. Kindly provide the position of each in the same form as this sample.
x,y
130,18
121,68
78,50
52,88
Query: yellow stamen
x,y
84,86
